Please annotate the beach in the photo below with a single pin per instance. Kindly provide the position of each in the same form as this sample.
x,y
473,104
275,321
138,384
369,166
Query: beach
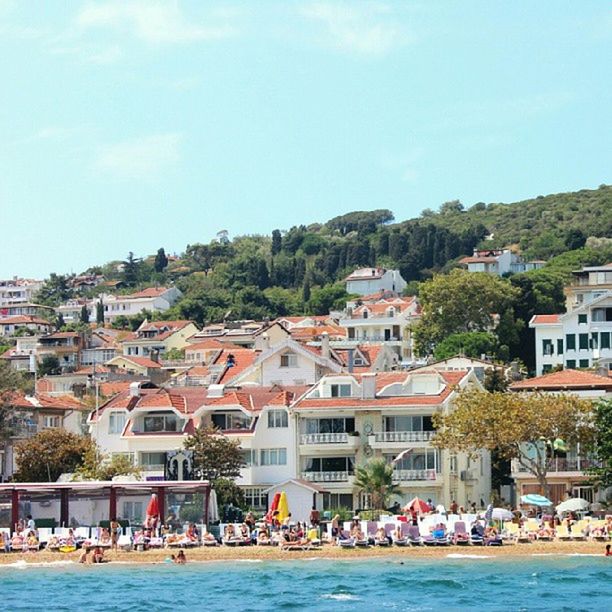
x,y
269,553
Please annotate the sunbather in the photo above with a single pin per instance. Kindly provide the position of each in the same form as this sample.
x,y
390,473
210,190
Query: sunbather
x,y
98,555
17,542
380,537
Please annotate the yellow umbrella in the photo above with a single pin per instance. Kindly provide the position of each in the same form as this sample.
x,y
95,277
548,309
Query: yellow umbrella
x,y
283,507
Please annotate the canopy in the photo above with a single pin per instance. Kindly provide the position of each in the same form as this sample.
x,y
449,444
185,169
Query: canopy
x,y
283,507
213,508
573,504
418,505
533,499
153,507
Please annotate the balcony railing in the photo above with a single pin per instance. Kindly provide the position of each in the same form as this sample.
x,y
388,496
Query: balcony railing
x,y
23,431
564,465
407,475
326,476
324,438
403,436
153,467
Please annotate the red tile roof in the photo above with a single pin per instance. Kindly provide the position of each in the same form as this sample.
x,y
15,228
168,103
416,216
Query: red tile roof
x,y
24,320
146,293
545,318
144,362
564,380
243,359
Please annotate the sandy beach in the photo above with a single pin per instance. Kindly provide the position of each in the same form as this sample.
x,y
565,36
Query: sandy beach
x,y
224,553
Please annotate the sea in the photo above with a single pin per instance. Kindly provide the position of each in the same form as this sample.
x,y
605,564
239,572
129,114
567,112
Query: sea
x,y
458,582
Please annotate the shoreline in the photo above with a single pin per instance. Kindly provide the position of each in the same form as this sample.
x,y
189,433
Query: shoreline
x,y
328,552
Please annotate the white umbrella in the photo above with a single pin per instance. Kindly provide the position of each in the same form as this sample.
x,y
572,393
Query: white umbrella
x,y
440,509
213,509
573,504
501,514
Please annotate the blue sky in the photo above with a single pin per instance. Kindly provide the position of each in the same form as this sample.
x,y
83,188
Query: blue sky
x,y
130,125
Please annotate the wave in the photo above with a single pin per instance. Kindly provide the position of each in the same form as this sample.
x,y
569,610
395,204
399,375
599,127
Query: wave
x,y
460,556
340,596
248,560
23,564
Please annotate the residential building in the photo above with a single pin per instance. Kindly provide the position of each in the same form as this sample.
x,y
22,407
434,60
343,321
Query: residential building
x,y
71,310
246,334
9,326
66,346
141,367
346,419
158,337
16,291
582,336
26,309
371,280
499,262
23,355
153,299
567,472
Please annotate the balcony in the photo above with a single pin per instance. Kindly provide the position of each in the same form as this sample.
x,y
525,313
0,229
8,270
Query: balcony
x,y
429,476
343,477
23,431
392,439
558,465
326,440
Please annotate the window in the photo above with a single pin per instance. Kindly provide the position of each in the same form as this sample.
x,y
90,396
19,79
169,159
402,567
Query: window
x,y
547,347
277,419
594,340
153,461
604,340
51,422
570,364
255,498
162,421
547,367
559,347
250,456
329,464
333,501
582,318
408,423
116,422
418,460
231,420
570,342
583,342
273,456
584,363
340,390
600,315
337,425
132,511
289,360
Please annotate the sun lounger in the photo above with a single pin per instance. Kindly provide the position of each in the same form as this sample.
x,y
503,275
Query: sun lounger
x,y
563,533
124,542
44,535
461,537
414,537
346,542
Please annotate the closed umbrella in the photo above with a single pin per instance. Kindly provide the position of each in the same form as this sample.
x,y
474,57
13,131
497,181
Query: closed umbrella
x,y
213,508
501,514
153,507
420,506
533,499
283,507
273,507
573,505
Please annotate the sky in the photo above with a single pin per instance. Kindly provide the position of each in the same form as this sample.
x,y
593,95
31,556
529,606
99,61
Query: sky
x,y
135,124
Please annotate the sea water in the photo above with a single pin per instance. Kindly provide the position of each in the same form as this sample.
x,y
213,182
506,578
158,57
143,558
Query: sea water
x,y
399,583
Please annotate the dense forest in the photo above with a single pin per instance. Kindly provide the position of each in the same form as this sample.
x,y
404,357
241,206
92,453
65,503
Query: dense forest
x,y
301,270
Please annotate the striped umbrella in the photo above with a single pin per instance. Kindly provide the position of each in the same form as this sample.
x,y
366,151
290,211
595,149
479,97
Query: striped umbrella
x,y
533,499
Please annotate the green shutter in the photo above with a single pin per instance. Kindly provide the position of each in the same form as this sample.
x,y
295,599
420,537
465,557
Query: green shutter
x,y
570,364
584,363
570,342
604,340
583,342
582,318
559,347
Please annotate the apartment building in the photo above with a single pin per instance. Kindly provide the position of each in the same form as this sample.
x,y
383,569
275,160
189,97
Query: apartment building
x,y
158,337
499,262
9,326
366,281
16,291
153,299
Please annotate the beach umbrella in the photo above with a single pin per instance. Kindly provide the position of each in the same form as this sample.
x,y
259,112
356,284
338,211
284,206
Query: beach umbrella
x,y
418,505
273,507
283,507
213,508
153,506
501,514
533,499
489,513
440,509
573,504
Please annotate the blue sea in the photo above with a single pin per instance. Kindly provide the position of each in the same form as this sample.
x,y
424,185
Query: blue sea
x,y
534,583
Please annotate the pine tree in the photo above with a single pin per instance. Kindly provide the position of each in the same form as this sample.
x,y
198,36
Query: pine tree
x,y
84,314
100,313
277,242
161,261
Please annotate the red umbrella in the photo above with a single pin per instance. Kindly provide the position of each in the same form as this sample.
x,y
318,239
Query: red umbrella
x,y
153,507
418,505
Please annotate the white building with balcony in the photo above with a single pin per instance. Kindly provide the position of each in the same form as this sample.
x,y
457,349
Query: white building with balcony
x,y
366,281
16,291
347,419
499,262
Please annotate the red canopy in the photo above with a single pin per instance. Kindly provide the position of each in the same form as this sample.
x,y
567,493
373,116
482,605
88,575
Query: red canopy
x,y
153,507
418,505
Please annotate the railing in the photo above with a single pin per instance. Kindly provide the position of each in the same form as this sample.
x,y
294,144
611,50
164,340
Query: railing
x,y
153,467
563,465
326,476
406,475
372,338
324,438
23,431
403,436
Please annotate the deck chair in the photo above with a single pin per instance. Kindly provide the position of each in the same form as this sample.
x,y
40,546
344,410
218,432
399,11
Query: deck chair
x,y
414,536
461,537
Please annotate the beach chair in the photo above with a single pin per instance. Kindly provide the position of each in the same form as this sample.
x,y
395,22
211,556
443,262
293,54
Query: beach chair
x,y
531,527
460,536
124,542
44,535
598,531
346,542
510,533
82,533
414,536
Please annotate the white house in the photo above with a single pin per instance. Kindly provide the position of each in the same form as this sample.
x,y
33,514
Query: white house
x,y
366,281
499,262
158,337
154,299
17,291
11,325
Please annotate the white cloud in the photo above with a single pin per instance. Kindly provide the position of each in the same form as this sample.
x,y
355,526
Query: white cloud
x,y
364,29
150,20
139,158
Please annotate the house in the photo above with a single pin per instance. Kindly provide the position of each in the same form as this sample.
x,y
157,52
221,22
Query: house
x,y
26,309
16,291
384,320
159,337
346,419
9,326
29,415
371,280
499,262
138,367
66,346
462,363
102,346
23,355
153,299
242,333
72,309
582,336
566,474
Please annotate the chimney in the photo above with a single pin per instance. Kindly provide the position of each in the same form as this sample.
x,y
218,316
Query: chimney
x,y
368,386
135,389
325,345
351,360
603,370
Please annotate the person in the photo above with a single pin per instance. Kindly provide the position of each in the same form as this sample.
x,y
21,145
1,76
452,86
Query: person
x,y
30,525
380,535
262,536
454,507
249,521
245,534
83,558
414,517
105,537
275,521
335,526
181,559
287,520
315,517
397,533
608,552
98,555
430,504
114,530
3,542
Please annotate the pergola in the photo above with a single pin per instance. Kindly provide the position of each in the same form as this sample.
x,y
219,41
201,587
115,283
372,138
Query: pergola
x,y
101,488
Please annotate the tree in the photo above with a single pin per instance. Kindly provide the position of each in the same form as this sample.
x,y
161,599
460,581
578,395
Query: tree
x,y
48,454
161,260
470,344
376,479
131,269
11,382
214,455
59,321
99,312
460,302
450,207
84,318
49,366
277,242
523,427
602,445
55,290
324,299
97,465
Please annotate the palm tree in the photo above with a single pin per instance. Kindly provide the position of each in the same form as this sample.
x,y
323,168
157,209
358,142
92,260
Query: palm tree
x,y
376,479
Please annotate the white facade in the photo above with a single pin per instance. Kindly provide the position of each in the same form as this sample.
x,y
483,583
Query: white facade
x,y
367,281
499,262
17,291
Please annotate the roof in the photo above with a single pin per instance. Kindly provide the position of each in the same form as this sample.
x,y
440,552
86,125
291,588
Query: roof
x,y
469,260
545,319
210,344
61,335
243,359
151,292
144,362
381,307
46,401
302,483
564,380
363,274
24,320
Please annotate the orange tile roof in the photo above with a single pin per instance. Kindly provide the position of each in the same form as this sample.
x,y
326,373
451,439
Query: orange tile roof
x,y
144,362
24,320
113,388
243,359
564,379
211,344
545,318
145,293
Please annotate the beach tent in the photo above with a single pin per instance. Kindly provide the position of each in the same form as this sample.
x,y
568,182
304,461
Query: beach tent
x,y
283,507
533,499
573,505
417,504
